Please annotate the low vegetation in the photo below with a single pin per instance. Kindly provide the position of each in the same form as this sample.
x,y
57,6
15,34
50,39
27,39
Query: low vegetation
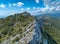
x,y
52,27
14,24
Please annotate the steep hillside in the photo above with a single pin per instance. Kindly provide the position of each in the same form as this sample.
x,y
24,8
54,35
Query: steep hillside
x,y
13,25
52,28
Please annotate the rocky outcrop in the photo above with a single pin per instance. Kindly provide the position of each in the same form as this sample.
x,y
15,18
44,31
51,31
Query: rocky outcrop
x,y
38,37
26,36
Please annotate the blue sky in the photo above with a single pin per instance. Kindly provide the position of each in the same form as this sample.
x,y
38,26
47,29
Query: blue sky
x,y
27,3
9,7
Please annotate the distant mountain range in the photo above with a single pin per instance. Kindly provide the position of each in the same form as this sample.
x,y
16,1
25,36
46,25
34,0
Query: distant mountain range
x,y
55,15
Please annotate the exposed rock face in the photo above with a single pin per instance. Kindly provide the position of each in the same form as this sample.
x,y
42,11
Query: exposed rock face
x,y
41,36
26,14
38,38
25,39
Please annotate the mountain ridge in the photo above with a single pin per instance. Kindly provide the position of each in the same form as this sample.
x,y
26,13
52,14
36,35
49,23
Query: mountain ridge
x,y
27,29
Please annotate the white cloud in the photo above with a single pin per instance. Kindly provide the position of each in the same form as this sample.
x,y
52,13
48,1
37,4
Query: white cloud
x,y
28,8
10,5
34,8
14,4
58,8
22,9
37,8
19,4
2,5
37,1
46,9
50,3
50,6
